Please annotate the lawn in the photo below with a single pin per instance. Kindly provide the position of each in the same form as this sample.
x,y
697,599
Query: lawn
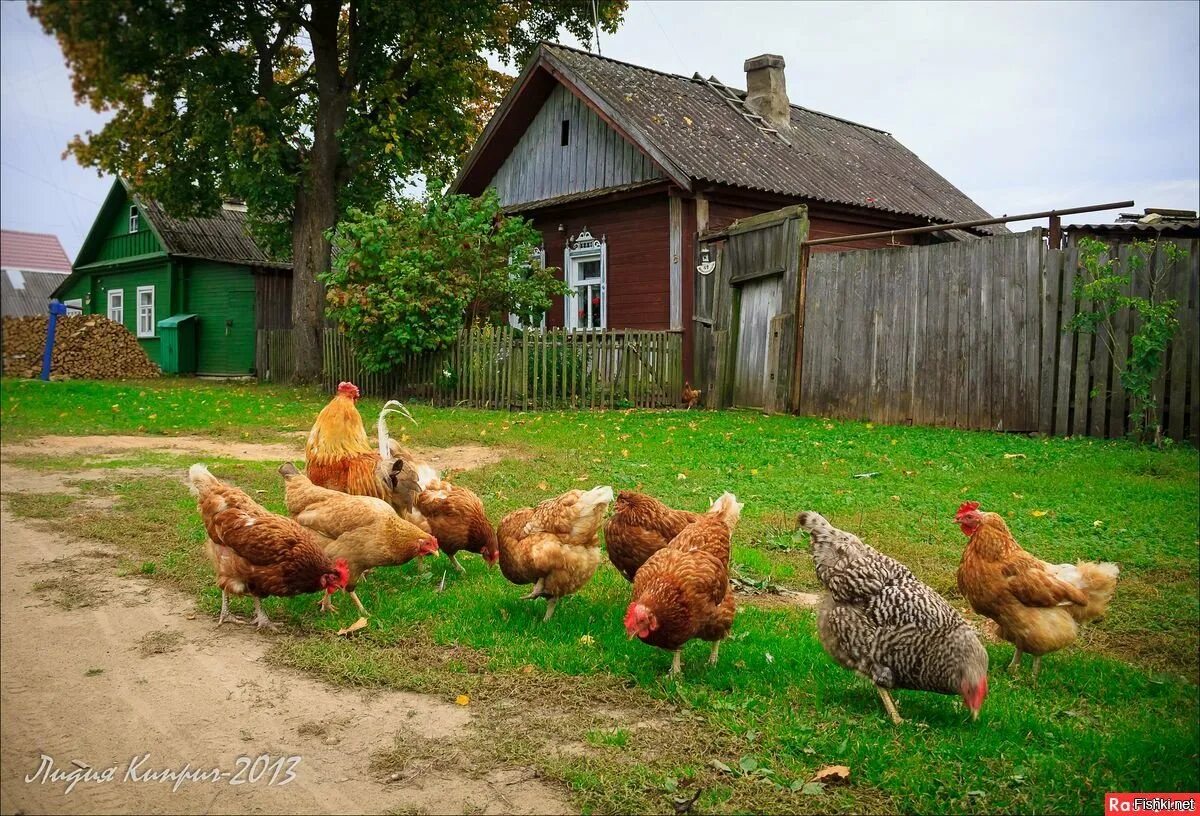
x,y
575,699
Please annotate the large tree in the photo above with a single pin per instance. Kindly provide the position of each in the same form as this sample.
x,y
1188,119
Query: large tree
x,y
302,109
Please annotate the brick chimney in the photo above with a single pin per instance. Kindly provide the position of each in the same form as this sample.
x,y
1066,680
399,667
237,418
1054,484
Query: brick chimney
x,y
766,93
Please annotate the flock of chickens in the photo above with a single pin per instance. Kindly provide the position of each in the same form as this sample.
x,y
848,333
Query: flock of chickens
x,y
359,507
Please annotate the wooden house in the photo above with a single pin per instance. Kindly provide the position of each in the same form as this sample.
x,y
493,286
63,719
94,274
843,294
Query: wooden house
x,y
139,265
622,168
32,265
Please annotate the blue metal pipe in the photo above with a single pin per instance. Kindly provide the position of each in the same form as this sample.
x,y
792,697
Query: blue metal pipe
x,y
56,308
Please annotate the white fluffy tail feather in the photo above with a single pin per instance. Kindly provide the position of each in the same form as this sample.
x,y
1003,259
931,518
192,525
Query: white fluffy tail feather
x,y
199,477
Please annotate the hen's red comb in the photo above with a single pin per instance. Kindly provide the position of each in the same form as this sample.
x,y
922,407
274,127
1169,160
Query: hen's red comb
x,y
967,507
349,389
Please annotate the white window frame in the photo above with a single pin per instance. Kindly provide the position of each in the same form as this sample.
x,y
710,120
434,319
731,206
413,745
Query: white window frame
x,y
119,308
579,250
536,257
145,311
74,305
133,218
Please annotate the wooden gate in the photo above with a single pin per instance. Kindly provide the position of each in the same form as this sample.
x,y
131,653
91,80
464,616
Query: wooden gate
x,y
746,311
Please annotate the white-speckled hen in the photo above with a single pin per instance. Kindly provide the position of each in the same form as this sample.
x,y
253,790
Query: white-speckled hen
x,y
879,620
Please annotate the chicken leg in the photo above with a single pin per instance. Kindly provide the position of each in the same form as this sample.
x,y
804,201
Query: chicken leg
x,y
536,592
358,603
550,608
326,603
226,615
260,619
712,658
1016,662
676,665
457,566
1037,664
889,704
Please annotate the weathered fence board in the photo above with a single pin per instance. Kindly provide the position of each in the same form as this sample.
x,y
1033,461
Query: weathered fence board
x,y
974,335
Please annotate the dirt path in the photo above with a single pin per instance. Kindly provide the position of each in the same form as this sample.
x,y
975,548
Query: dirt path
x,y
101,670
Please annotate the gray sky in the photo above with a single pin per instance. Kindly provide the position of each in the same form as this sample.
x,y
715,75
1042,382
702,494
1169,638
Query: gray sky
x,y
1024,106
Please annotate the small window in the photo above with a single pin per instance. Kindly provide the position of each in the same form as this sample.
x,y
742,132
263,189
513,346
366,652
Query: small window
x,y
585,262
566,132
145,307
116,305
133,219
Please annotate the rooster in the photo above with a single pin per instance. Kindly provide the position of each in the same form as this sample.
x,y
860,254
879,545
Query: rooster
x,y
363,531
689,395
339,457
258,553
555,545
877,619
639,527
682,591
1036,606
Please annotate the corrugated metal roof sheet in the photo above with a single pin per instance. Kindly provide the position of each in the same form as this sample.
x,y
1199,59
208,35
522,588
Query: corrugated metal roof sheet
x,y
829,159
221,237
1173,227
34,251
27,293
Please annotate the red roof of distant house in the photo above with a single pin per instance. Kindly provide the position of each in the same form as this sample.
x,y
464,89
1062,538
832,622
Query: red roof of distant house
x,y
32,252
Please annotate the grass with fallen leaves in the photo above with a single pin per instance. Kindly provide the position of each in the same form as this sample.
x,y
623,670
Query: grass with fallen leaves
x,y
576,700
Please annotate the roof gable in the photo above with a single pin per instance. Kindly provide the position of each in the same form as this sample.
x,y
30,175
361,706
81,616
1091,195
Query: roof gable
x,y
696,136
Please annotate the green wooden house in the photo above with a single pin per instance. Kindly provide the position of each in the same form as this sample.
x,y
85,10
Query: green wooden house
x,y
139,266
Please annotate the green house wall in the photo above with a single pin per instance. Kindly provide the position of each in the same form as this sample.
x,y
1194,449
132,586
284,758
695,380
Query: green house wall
x,y
223,297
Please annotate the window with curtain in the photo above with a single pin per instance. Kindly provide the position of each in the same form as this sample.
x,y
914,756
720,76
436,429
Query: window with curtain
x,y
145,307
586,272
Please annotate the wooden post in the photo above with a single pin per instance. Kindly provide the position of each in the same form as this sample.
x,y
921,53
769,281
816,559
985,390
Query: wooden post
x,y
1056,231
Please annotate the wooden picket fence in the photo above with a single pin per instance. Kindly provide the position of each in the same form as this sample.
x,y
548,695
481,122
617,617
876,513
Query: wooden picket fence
x,y
509,369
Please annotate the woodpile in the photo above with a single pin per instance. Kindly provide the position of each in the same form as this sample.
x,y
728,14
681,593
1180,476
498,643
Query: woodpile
x,y
85,346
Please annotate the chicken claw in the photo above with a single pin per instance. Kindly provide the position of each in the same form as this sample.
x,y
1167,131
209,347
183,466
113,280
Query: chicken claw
x,y
326,605
536,592
1016,662
676,665
712,658
226,615
260,620
550,608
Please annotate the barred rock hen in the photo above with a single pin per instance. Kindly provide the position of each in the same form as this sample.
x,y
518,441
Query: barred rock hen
x,y
258,553
639,527
1037,606
682,591
555,545
339,457
362,530
877,619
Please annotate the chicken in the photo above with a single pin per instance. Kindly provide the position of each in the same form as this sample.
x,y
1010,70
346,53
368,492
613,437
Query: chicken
x,y
877,619
1037,606
363,531
455,515
682,591
555,545
690,396
639,527
258,553
339,457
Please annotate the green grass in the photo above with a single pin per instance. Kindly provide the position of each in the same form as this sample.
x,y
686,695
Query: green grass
x,y
575,699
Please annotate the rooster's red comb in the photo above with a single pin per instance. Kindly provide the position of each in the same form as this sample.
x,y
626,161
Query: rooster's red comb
x,y
349,389
967,507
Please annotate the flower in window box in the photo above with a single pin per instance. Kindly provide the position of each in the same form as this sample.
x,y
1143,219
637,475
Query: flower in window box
x,y
582,312
596,301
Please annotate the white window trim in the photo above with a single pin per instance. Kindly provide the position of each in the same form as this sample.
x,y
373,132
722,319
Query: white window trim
x,y
583,247
119,308
148,332
133,218
537,256
74,304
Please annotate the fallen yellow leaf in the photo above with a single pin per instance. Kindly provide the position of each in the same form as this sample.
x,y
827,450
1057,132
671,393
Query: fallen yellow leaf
x,y
463,699
832,775
543,486
1038,513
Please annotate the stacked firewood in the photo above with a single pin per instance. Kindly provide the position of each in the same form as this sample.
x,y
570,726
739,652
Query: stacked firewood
x,y
85,347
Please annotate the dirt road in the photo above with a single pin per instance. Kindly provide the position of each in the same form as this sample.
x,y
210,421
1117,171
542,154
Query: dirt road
x,y
100,670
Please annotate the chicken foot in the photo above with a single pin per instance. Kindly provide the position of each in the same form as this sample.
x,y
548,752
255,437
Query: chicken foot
x,y
1016,662
676,665
889,704
457,566
226,615
712,658
1037,664
326,603
550,608
260,619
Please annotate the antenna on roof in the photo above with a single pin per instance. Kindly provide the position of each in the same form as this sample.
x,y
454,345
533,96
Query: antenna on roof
x,y
596,26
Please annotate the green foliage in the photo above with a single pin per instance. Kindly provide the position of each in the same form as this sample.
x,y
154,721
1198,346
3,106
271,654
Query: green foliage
x,y
1101,283
407,275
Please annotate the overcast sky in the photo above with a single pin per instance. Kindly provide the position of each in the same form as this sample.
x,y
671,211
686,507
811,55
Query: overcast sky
x,y
1024,106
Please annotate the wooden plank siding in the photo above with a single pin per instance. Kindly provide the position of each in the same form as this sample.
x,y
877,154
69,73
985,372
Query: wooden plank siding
x,y
971,335
595,157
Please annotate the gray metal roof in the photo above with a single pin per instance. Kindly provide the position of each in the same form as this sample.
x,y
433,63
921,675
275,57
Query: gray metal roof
x,y
220,237
27,293
829,159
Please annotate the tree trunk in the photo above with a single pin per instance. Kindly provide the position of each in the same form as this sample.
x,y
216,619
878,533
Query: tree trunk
x,y
317,197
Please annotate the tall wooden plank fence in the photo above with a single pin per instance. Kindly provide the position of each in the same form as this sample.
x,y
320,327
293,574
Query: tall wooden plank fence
x,y
510,369
972,335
